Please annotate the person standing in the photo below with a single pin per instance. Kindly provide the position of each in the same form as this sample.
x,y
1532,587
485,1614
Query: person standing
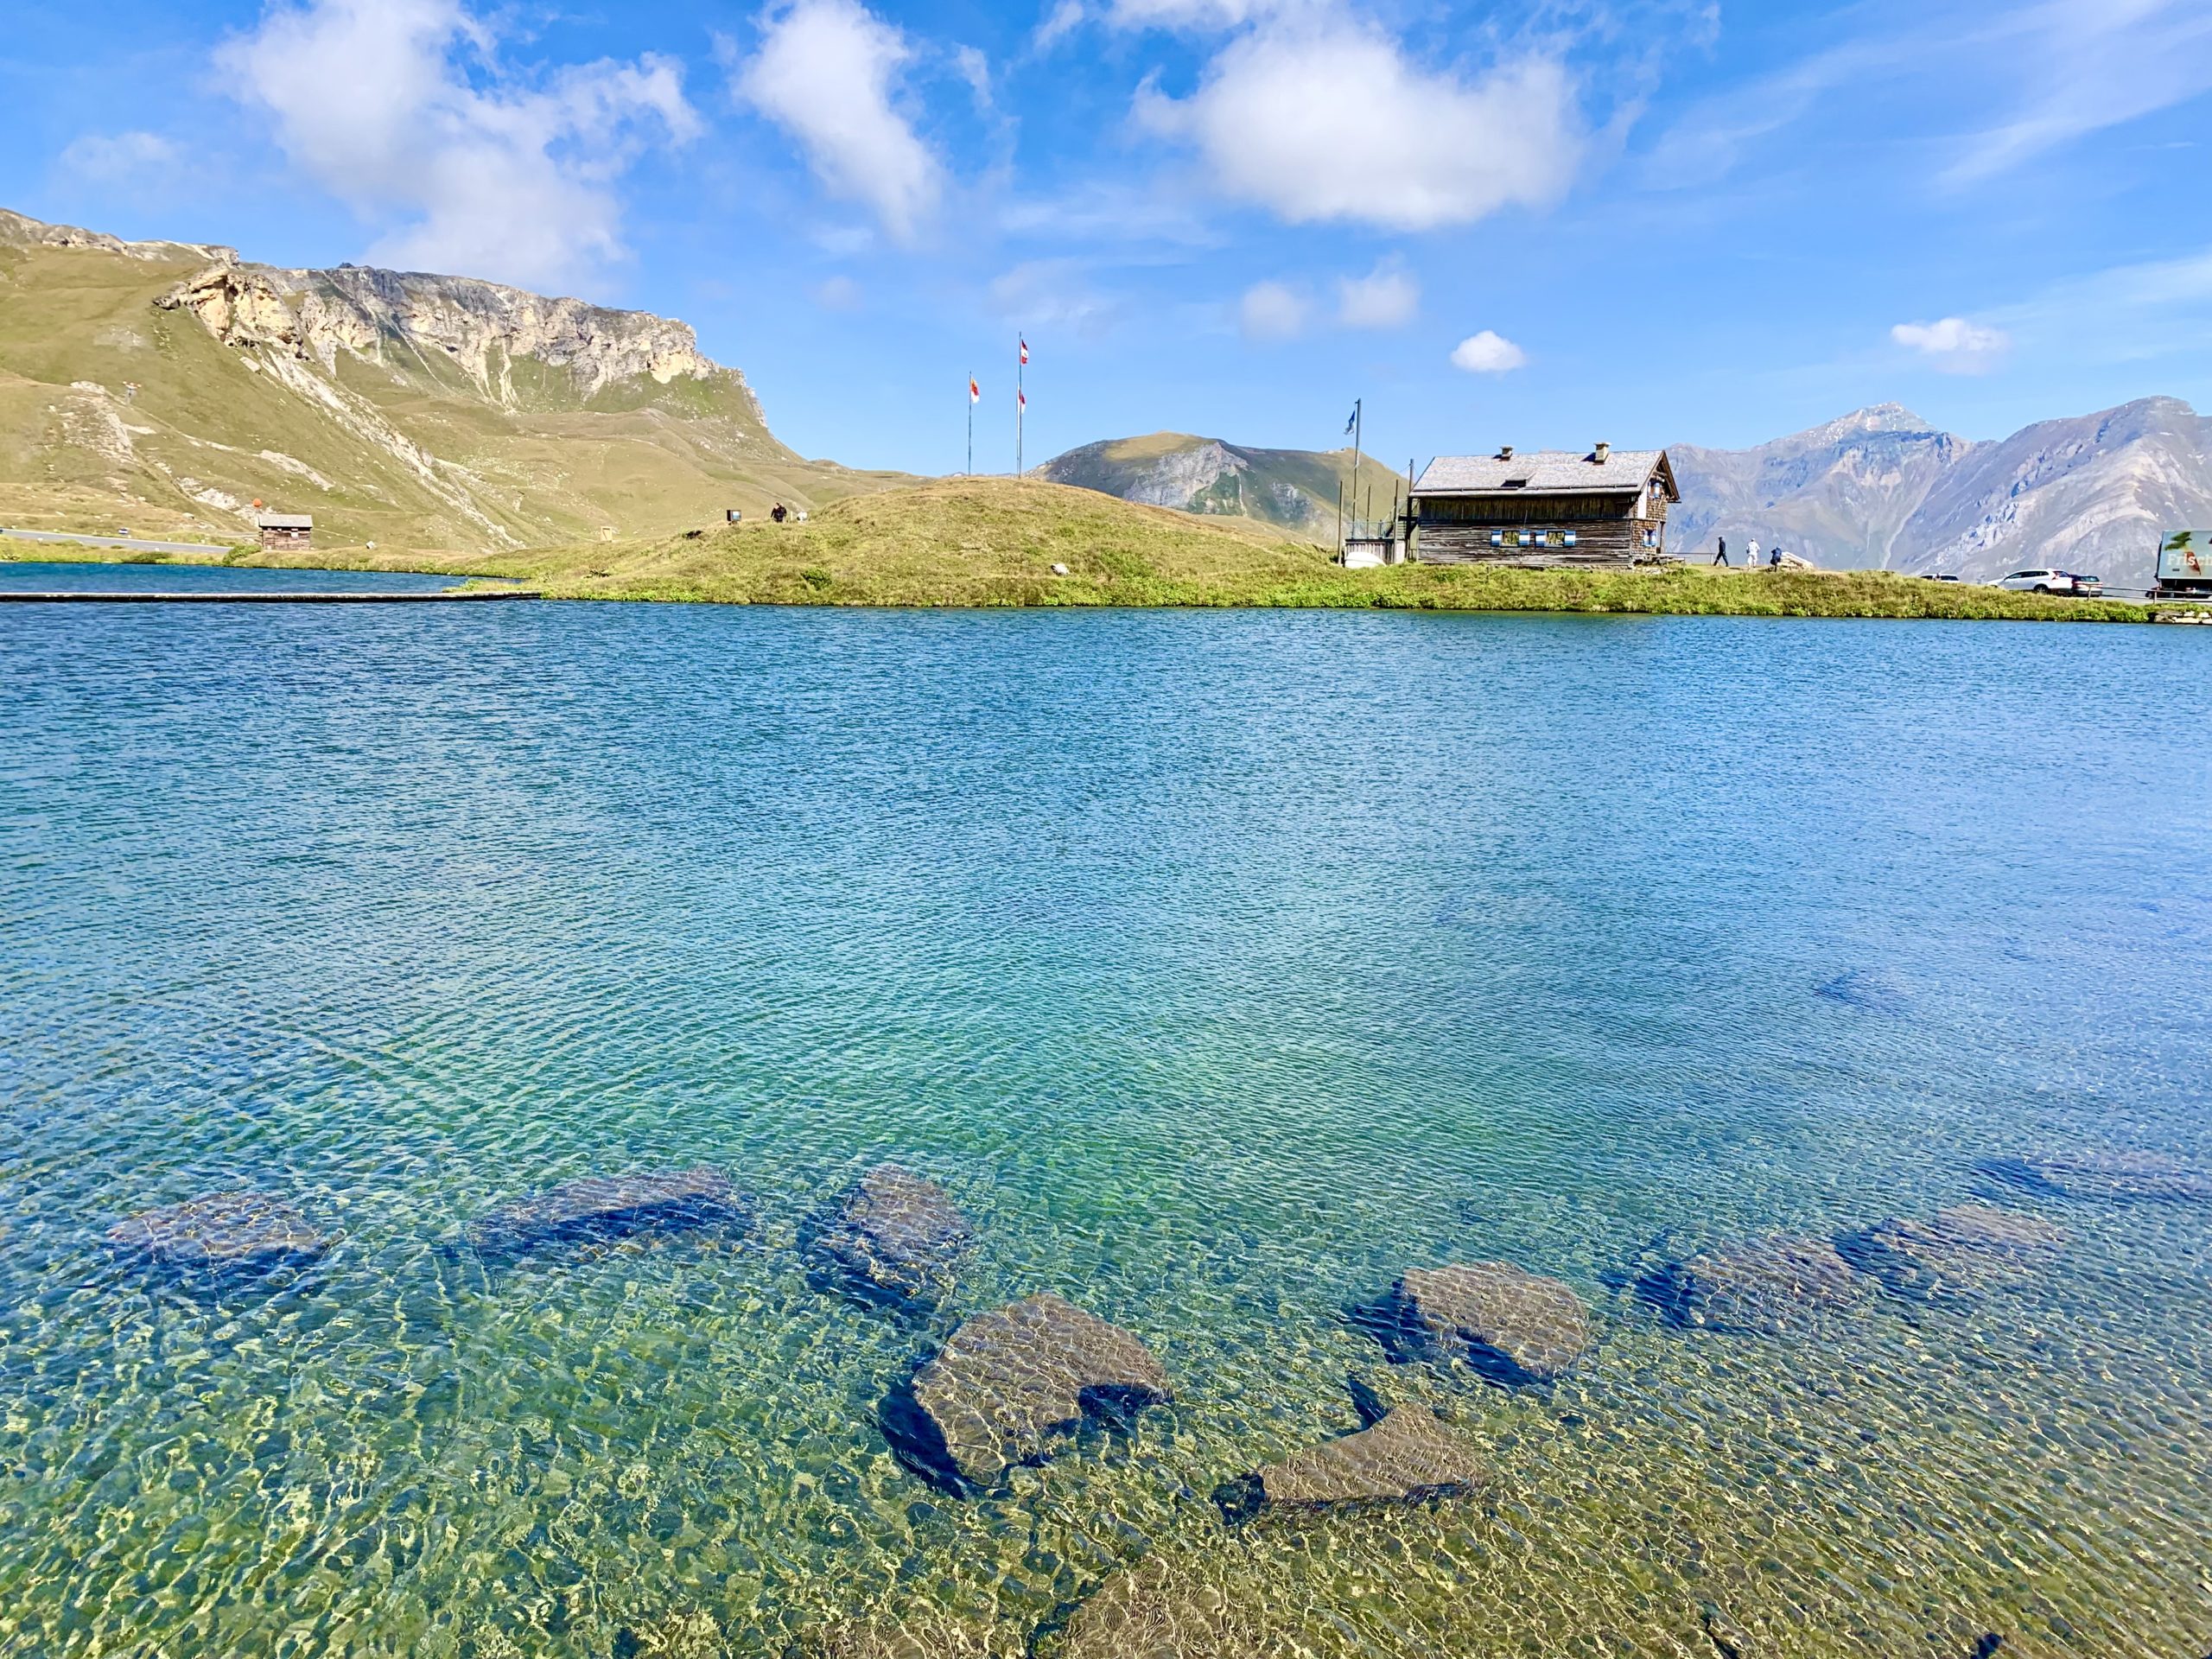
x,y
1720,558
1752,557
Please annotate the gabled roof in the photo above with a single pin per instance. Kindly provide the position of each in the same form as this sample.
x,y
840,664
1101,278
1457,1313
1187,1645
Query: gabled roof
x,y
1547,472
283,521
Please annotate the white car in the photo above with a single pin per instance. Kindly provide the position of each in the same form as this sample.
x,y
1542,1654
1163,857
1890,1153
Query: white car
x,y
2050,581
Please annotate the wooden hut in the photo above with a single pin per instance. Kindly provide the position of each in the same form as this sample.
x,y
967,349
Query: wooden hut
x,y
285,532
1552,507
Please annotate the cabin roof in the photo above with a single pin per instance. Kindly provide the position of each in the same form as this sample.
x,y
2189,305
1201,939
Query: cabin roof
x,y
1547,472
283,521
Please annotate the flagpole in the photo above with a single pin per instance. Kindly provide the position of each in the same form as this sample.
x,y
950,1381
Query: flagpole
x,y
971,425
1355,406
1020,399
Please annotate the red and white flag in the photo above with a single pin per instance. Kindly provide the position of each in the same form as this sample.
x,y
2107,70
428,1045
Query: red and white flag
x,y
975,391
1021,398
1024,349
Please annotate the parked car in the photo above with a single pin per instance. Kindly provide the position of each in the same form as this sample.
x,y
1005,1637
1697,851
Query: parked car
x,y
2051,582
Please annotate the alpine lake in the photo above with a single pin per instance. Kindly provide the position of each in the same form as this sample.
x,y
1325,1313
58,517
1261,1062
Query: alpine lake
x,y
1222,968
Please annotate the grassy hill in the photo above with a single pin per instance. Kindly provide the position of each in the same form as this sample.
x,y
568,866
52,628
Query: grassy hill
x,y
1294,489
166,387
994,541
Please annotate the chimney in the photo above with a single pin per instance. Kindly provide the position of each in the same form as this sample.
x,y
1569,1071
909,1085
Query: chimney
x,y
1505,452
1601,451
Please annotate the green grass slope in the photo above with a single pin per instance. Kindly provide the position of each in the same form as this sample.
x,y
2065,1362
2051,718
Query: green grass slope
x,y
114,413
994,541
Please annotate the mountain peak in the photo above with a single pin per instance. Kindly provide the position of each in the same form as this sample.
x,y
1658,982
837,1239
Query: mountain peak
x,y
1875,417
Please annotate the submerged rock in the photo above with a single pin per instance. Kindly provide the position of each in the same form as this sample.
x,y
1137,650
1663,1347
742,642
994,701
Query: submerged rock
x,y
1761,1287
1408,1458
2112,1177
610,1206
1952,1251
233,1230
1154,1611
1512,1326
893,1237
1007,1382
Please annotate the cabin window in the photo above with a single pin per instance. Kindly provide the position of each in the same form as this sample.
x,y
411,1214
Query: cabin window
x,y
1651,538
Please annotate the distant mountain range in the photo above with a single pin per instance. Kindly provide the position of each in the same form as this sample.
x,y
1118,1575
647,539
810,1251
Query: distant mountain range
x,y
165,387
1880,489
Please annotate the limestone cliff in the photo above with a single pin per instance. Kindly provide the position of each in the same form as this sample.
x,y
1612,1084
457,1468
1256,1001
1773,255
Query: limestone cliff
x,y
173,386
405,321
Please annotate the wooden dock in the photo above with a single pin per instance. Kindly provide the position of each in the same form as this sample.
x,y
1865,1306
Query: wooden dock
x,y
114,597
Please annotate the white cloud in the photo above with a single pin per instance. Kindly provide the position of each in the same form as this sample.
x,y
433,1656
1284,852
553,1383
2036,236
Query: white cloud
x,y
976,69
115,158
1188,14
373,100
1054,294
1488,352
1385,298
2003,84
1953,344
827,72
838,293
1315,116
2081,66
1272,311
1062,21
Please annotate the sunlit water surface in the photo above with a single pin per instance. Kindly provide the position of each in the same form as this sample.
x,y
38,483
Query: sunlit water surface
x,y
1224,966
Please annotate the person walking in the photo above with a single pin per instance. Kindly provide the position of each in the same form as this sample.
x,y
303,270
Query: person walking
x,y
1752,557
1774,560
1720,558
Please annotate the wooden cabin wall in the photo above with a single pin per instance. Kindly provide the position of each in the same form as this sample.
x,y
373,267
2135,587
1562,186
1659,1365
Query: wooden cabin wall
x,y
1607,542
1609,529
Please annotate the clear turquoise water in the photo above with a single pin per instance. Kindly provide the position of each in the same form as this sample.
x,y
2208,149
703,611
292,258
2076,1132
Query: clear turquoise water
x,y
1224,966
95,576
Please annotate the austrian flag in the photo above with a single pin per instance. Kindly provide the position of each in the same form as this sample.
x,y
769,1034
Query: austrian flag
x,y
1021,398
1024,350
975,391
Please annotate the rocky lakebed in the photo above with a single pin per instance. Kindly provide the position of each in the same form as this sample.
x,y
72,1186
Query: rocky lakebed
x,y
1005,1387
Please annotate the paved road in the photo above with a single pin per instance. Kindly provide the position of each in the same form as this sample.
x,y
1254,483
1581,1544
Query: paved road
x,y
133,542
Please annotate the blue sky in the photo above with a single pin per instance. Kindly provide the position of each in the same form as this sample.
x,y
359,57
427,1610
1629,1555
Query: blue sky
x,y
1646,220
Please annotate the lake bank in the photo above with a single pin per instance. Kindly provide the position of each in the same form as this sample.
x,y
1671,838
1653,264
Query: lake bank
x,y
988,544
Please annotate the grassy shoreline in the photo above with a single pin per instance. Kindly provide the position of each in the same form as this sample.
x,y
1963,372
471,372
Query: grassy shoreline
x,y
994,542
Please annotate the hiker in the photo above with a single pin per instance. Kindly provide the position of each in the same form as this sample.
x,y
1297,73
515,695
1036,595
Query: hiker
x,y
800,515
1720,558
1752,557
1774,560
776,512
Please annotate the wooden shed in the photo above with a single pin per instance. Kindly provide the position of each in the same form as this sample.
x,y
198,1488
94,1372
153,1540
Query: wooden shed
x,y
1552,507
285,532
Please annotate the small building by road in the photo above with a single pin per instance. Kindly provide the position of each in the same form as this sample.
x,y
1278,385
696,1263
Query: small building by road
x,y
1550,507
285,533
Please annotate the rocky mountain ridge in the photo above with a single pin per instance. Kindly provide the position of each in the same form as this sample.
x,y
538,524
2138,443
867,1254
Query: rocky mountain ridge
x,y
426,409
1296,489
